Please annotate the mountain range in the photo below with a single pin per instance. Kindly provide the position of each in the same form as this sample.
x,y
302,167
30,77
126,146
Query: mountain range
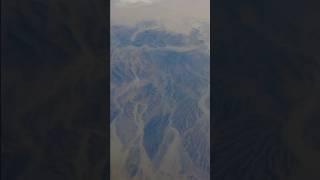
x,y
160,118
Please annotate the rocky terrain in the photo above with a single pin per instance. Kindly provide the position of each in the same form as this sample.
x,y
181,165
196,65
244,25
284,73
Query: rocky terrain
x,y
160,119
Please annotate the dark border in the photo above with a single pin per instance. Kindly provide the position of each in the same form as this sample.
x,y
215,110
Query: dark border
x,y
55,89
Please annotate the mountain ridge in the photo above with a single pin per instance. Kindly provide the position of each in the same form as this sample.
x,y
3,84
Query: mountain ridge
x,y
159,90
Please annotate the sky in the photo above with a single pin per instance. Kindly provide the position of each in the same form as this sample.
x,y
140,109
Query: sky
x,y
174,14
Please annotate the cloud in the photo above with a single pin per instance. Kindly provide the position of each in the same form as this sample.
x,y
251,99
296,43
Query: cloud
x,y
175,14
132,2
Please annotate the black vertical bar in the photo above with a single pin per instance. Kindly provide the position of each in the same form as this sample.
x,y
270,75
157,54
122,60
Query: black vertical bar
x,y
211,86
265,90
108,76
54,89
